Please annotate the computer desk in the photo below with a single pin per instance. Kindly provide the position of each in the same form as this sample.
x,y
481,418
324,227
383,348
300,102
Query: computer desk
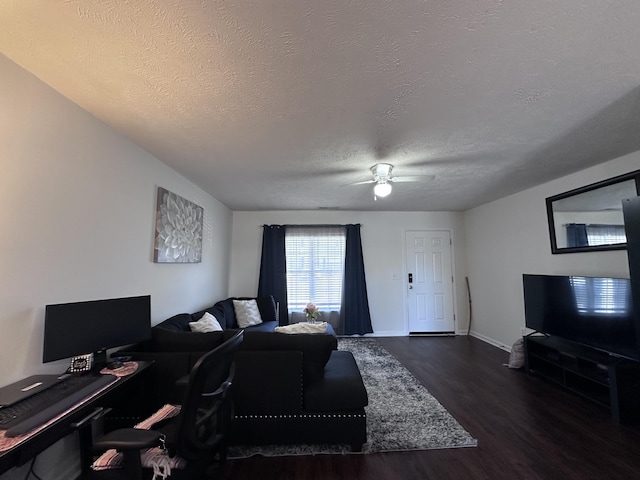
x,y
118,396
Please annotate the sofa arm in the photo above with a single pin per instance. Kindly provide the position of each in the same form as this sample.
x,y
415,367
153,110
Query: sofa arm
x,y
267,383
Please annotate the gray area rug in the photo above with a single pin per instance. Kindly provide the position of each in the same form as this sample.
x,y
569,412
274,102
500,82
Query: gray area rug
x,y
402,414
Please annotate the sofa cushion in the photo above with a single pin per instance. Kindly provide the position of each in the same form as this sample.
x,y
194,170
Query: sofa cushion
x,y
215,310
173,341
226,307
177,323
266,307
340,388
316,348
262,327
247,313
208,323
267,383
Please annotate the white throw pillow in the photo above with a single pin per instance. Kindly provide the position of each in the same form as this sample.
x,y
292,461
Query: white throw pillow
x,y
247,313
208,323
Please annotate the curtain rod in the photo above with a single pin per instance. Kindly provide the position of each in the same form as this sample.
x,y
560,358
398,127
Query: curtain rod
x,y
313,225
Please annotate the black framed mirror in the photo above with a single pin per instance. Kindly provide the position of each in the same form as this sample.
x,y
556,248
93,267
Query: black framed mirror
x,y
590,218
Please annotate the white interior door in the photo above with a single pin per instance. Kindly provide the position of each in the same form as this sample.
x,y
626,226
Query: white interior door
x,y
429,281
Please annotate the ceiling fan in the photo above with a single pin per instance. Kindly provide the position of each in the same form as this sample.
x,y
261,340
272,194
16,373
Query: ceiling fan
x,y
383,179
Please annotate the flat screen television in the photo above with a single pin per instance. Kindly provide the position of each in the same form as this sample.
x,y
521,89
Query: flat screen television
x,y
592,311
73,329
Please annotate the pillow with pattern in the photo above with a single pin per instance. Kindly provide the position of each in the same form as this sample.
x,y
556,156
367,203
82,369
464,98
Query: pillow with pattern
x,y
247,313
208,323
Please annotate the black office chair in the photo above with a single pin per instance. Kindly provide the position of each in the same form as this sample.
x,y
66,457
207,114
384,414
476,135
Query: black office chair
x,y
196,435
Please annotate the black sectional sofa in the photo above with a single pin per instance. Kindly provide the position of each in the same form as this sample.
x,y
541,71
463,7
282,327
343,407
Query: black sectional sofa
x,y
288,388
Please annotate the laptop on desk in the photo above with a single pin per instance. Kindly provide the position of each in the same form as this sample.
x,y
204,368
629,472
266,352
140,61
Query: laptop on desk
x,y
24,388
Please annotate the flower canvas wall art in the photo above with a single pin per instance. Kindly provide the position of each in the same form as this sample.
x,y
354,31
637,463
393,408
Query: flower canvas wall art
x,y
178,235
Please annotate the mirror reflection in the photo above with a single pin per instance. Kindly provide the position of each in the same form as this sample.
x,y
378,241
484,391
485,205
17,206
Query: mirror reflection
x,y
590,218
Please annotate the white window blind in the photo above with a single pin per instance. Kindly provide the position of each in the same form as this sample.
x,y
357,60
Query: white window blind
x,y
605,234
315,267
600,295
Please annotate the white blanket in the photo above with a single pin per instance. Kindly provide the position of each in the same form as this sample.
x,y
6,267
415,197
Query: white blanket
x,y
303,327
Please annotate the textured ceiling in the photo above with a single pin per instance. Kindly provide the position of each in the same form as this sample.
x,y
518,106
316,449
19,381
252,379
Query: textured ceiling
x,y
278,104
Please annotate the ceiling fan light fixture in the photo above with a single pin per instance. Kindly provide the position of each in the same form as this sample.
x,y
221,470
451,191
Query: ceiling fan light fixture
x,y
382,189
381,170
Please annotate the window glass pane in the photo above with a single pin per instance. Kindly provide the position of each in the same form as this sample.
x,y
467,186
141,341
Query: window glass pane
x,y
315,266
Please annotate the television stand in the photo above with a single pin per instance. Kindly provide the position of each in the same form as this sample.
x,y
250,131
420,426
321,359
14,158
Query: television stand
x,y
610,381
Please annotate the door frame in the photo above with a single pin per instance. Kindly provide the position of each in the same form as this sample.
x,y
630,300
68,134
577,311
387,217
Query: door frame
x,y
405,300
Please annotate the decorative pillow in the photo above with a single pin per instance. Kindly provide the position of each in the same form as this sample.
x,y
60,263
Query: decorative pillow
x,y
247,313
215,310
208,323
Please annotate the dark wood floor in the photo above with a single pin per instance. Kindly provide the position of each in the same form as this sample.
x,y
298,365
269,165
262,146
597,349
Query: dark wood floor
x,y
526,428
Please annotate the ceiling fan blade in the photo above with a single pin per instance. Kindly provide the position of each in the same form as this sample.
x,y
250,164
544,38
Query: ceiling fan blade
x,y
412,178
363,182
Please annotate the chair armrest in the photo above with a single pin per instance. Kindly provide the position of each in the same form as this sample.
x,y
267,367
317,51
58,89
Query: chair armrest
x,y
128,439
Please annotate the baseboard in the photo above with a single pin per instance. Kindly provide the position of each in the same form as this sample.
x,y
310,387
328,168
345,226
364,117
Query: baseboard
x,y
432,334
389,333
404,333
396,333
490,341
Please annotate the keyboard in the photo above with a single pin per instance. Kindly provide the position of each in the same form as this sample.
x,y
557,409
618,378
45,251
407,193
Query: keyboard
x,y
41,407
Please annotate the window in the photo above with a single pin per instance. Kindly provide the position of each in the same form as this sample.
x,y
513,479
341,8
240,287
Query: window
x,y
605,234
600,295
315,267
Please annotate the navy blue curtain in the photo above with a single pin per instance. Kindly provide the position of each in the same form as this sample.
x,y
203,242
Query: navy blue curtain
x,y
354,312
577,235
273,268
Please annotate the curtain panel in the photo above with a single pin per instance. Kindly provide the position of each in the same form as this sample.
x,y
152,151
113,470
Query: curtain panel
x,y
273,268
577,235
356,317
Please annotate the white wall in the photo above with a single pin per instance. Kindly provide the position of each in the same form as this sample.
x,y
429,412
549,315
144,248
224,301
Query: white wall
x,y
77,204
510,236
383,250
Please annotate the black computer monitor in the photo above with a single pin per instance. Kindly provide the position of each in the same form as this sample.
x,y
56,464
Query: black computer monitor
x,y
73,329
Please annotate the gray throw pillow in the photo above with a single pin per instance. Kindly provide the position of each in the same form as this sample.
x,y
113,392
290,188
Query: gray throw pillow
x,y
208,323
247,313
